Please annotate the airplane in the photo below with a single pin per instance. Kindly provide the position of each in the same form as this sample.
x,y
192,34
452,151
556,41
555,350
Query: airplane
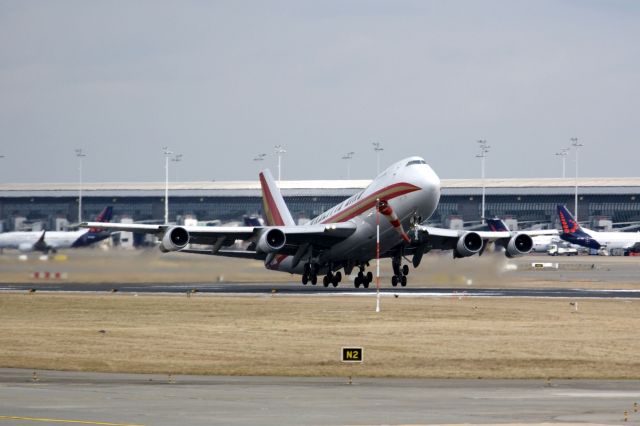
x,y
541,238
47,242
572,232
343,237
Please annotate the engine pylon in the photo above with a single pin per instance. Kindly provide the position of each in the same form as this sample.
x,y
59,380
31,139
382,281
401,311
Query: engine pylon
x,y
385,209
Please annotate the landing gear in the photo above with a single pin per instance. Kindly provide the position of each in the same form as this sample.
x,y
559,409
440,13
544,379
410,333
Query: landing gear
x,y
310,274
333,279
399,273
363,279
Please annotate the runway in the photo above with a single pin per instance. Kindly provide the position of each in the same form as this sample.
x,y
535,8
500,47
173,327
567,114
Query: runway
x,y
127,399
318,290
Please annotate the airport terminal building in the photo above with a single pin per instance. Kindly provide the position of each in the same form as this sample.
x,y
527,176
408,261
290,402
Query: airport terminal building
x,y
54,205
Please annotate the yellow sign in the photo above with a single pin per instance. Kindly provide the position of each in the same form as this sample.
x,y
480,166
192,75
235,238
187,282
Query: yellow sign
x,y
352,355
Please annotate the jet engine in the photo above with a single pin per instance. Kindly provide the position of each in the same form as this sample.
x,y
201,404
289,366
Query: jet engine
x,y
174,239
468,244
271,241
519,245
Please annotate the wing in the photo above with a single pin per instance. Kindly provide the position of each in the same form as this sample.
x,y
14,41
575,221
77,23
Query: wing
x,y
319,236
447,239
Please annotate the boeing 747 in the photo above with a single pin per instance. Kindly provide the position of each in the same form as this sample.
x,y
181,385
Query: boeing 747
x,y
344,237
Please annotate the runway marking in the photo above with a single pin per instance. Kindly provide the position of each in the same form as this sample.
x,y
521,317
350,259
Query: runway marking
x,y
82,422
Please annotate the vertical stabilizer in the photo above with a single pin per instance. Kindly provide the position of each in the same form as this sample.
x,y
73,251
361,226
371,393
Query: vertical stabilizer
x,y
497,225
568,223
275,211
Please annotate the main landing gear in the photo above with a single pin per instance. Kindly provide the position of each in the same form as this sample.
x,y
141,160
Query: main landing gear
x,y
363,279
400,273
332,278
310,274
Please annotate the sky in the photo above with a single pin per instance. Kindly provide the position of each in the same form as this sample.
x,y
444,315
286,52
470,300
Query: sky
x,y
221,82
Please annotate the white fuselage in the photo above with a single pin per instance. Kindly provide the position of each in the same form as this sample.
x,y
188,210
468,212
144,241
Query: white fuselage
x,y
614,240
25,241
411,188
541,243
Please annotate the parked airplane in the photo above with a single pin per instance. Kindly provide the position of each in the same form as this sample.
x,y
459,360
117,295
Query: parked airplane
x,y
343,237
575,234
542,238
52,241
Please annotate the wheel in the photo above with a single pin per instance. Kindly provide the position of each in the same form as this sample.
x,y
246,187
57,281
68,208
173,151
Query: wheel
x,y
338,276
325,281
394,280
305,279
369,276
405,269
403,281
335,283
314,279
356,282
365,284
361,276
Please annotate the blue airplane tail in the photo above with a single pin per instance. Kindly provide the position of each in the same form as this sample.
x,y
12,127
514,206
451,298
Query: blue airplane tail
x,y
497,225
568,223
104,216
572,232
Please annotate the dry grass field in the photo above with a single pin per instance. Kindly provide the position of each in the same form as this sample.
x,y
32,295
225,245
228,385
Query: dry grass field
x,y
302,336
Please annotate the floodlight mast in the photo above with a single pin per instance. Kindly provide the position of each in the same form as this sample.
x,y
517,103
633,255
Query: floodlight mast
x,y
576,145
484,149
167,156
279,150
80,156
348,156
563,154
378,149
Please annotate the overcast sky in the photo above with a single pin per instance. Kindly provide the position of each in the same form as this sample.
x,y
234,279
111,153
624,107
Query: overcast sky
x,y
221,82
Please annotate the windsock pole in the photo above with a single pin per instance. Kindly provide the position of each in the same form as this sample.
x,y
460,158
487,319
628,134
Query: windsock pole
x,y
377,255
385,209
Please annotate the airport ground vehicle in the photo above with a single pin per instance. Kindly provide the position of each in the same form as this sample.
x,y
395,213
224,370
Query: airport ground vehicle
x,y
555,250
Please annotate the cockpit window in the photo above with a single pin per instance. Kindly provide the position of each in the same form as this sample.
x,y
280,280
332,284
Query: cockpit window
x,y
412,162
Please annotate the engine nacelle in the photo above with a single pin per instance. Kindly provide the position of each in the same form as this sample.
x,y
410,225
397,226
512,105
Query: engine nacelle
x,y
271,241
468,245
519,245
174,239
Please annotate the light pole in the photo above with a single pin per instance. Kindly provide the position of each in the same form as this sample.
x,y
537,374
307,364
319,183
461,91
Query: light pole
x,y
484,149
563,153
279,151
378,149
348,156
576,145
176,159
167,155
80,156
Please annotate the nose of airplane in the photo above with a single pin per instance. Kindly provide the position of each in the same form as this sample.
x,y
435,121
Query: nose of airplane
x,y
423,176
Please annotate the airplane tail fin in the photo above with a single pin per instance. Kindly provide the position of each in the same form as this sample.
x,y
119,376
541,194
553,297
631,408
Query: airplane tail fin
x,y
568,223
104,216
497,225
275,210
